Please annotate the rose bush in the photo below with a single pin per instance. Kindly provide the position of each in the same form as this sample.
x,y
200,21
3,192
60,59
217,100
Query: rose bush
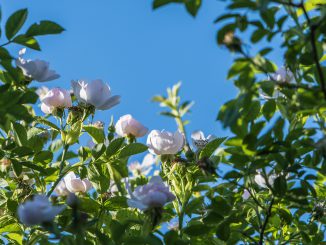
x,y
264,184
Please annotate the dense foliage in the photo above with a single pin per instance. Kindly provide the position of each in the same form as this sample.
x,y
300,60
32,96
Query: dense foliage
x,y
55,189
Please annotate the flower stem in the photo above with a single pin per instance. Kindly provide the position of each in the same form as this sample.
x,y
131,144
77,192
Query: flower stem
x,y
61,174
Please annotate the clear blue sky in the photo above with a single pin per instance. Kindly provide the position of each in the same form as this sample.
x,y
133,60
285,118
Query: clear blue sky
x,y
139,52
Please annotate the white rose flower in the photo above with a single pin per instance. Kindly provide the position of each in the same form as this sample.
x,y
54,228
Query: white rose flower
x,y
245,194
37,211
199,140
127,125
283,75
42,91
61,189
143,168
153,194
164,142
95,93
55,98
74,184
260,180
36,69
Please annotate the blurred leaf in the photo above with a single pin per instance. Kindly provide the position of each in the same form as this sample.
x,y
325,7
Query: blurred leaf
x,y
43,157
197,230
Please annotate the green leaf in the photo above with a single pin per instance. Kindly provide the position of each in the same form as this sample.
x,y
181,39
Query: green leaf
x,y
160,3
74,133
233,175
132,149
99,179
43,157
193,6
257,35
223,231
280,185
47,123
26,41
98,150
35,167
114,146
115,203
211,147
197,230
20,134
269,109
17,167
45,27
4,54
221,206
22,151
253,111
97,133
15,22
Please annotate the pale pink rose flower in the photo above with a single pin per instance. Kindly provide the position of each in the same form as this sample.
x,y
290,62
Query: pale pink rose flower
x,y
154,194
127,125
165,142
37,211
144,168
75,184
95,93
35,69
56,98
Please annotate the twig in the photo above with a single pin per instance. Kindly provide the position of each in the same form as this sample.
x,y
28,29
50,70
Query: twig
x,y
313,28
61,173
249,237
268,214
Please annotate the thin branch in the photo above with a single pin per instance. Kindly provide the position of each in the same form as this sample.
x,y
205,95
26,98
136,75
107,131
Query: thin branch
x,y
2,45
61,173
262,231
313,28
247,236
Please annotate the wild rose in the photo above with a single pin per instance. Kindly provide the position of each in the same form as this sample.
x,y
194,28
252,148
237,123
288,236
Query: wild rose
x,y
42,91
245,194
55,98
36,69
199,140
95,93
37,211
260,180
127,125
164,142
143,168
152,195
283,75
61,189
74,184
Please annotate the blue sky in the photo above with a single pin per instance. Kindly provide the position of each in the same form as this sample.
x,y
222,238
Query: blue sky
x,y
139,52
